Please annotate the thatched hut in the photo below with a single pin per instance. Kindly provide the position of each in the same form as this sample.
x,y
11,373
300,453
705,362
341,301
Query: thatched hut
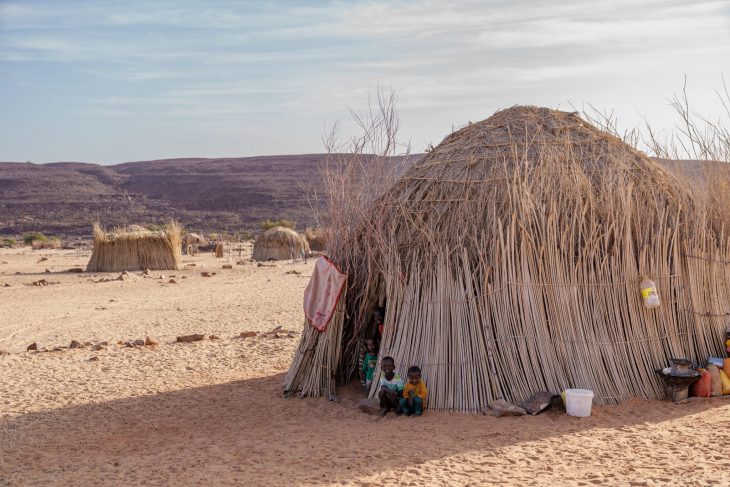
x,y
192,242
136,248
509,259
280,243
315,239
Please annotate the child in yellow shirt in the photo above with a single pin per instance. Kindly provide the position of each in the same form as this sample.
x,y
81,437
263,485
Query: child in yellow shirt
x,y
414,393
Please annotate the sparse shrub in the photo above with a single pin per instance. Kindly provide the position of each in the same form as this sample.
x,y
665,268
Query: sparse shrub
x,y
154,227
246,235
31,237
8,242
266,224
47,243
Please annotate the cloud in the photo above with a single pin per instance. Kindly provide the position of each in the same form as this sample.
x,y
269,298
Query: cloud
x,y
236,63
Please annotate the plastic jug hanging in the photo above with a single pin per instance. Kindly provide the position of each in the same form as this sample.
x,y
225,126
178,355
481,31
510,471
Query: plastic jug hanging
x,y
649,293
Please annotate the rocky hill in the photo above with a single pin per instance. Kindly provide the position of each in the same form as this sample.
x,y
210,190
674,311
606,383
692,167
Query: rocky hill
x,y
206,195
228,194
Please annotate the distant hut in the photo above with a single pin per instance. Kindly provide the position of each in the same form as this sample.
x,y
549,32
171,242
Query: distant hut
x,y
315,238
135,248
280,243
192,242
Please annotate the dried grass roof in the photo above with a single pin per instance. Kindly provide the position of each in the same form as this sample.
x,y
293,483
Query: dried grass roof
x,y
521,160
136,248
280,243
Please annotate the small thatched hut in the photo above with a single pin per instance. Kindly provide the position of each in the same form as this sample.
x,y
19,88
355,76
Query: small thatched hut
x,y
279,243
136,248
192,242
508,261
315,238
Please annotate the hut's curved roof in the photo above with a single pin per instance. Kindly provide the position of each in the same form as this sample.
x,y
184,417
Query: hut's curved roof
x,y
279,243
522,161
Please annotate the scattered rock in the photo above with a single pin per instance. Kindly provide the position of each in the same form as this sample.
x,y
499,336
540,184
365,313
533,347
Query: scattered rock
x,y
191,265
146,272
42,259
267,264
33,346
162,276
124,276
120,342
4,352
6,285
47,271
279,332
98,347
42,283
190,338
500,407
93,359
172,281
75,344
76,269
242,262
139,342
129,343
293,271
213,337
207,274
150,341
248,334
184,277
369,405
227,266
88,344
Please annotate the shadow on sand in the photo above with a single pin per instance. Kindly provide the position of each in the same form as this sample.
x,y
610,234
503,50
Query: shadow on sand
x,y
244,433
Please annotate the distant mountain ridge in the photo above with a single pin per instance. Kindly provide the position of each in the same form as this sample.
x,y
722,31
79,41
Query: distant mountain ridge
x,y
206,195
222,194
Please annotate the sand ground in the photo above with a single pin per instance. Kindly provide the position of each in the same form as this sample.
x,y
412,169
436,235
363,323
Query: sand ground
x,y
210,412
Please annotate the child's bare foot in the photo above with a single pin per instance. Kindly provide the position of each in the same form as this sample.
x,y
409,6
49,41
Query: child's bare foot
x,y
383,412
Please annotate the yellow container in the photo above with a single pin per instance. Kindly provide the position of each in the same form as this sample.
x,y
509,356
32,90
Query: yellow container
x,y
649,293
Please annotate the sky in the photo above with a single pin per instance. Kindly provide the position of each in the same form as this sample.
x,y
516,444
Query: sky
x,y
127,80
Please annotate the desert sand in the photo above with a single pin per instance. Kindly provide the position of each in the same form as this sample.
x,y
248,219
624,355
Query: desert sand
x,y
211,413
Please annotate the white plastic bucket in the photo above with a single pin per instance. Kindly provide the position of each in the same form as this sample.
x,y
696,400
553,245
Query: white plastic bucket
x,y
578,402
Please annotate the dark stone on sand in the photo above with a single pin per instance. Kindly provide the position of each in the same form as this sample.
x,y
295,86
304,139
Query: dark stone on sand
x,y
190,338
369,405
75,344
33,347
500,407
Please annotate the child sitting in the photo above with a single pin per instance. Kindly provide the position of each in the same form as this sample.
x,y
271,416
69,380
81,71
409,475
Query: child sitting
x,y
391,387
414,393
367,370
